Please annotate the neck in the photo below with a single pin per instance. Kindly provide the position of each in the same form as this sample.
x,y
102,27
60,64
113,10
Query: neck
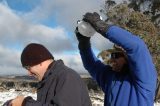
x,y
46,65
50,64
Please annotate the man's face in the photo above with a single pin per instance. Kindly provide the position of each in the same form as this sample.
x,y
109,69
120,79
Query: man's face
x,y
117,61
35,71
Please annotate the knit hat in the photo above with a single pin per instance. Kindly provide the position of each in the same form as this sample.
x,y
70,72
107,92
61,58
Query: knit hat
x,y
34,54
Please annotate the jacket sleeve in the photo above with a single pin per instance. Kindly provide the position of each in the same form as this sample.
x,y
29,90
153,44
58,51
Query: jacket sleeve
x,y
100,72
29,101
142,69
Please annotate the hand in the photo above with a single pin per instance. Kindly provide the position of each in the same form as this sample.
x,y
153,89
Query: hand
x,y
7,103
98,24
80,37
17,101
83,40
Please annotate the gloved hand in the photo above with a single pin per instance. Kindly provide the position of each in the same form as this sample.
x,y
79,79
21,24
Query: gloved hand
x,y
94,19
84,42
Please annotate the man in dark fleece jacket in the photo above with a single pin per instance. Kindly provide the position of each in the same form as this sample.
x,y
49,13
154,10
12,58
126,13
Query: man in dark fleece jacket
x,y
59,85
130,80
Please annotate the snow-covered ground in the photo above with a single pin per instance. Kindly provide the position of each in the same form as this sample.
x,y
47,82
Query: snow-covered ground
x,y
97,99
7,95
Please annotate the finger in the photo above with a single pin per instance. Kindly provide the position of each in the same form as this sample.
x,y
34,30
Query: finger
x,y
76,30
96,14
10,104
88,15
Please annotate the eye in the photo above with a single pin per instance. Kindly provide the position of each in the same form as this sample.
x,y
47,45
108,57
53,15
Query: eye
x,y
27,67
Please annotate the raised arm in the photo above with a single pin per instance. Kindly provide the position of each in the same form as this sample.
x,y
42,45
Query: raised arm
x,y
142,69
141,66
100,72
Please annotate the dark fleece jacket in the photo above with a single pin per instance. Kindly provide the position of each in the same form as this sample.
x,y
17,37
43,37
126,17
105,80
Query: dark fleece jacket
x,y
60,86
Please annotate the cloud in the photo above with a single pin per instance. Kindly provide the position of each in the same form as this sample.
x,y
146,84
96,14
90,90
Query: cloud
x,y
20,28
8,56
14,30
73,61
10,61
100,43
65,12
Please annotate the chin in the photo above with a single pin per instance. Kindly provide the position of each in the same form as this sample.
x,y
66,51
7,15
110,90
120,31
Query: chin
x,y
117,68
118,71
39,79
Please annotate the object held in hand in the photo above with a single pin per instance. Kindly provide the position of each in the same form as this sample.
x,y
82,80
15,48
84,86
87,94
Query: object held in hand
x,y
85,28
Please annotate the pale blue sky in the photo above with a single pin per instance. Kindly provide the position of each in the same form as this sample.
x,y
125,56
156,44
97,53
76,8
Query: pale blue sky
x,y
49,22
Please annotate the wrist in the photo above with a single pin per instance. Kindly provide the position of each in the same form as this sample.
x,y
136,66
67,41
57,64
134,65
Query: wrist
x,y
101,27
84,45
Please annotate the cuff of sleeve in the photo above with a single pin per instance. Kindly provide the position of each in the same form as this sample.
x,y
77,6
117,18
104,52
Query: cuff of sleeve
x,y
25,100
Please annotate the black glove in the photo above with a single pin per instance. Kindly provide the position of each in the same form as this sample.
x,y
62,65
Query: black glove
x,y
7,103
94,19
84,42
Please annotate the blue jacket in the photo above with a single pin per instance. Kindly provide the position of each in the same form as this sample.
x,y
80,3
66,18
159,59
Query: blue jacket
x,y
137,88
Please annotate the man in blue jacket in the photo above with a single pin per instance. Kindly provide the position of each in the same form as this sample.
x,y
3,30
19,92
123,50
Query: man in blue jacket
x,y
131,80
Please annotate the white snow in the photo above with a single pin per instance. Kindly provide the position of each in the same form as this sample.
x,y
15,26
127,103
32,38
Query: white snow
x,y
7,95
97,99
